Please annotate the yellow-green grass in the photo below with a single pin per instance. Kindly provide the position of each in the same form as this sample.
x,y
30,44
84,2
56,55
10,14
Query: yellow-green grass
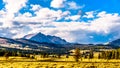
x,y
63,62
57,65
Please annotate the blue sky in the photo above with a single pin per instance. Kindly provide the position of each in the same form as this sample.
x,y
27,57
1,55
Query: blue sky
x,y
81,21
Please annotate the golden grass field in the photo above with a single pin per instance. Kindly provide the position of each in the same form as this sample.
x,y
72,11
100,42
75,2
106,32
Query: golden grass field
x,y
22,62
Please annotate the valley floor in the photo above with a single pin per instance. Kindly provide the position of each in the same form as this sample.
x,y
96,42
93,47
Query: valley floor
x,y
19,62
58,65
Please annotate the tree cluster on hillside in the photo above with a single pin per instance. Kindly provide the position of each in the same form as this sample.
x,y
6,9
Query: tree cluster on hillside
x,y
114,54
6,54
78,55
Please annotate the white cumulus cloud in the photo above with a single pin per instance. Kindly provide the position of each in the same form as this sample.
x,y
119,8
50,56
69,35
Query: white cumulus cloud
x,y
57,3
89,14
35,7
73,5
8,13
73,17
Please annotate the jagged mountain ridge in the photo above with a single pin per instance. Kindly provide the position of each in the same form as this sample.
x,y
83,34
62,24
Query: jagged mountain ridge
x,y
29,46
25,43
115,42
39,37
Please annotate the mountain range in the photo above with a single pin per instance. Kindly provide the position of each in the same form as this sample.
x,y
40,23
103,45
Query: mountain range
x,y
37,42
115,42
41,42
39,37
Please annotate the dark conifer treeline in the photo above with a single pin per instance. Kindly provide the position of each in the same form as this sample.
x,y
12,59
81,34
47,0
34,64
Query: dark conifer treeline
x,y
114,54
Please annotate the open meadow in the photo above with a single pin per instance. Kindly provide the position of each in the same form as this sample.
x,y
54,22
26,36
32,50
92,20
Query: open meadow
x,y
23,62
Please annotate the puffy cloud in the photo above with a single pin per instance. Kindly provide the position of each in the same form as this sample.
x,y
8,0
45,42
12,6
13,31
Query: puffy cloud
x,y
73,5
47,13
105,22
13,6
57,3
2,13
8,13
43,15
35,7
19,31
27,14
5,32
73,17
66,4
89,14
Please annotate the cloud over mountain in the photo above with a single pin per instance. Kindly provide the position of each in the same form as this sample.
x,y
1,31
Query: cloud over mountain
x,y
60,18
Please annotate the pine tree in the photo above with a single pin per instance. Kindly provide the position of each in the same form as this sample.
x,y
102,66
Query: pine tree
x,y
103,55
91,55
116,54
6,55
113,55
77,54
99,56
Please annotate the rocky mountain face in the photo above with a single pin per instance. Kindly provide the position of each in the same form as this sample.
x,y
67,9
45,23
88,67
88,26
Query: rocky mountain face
x,y
42,38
